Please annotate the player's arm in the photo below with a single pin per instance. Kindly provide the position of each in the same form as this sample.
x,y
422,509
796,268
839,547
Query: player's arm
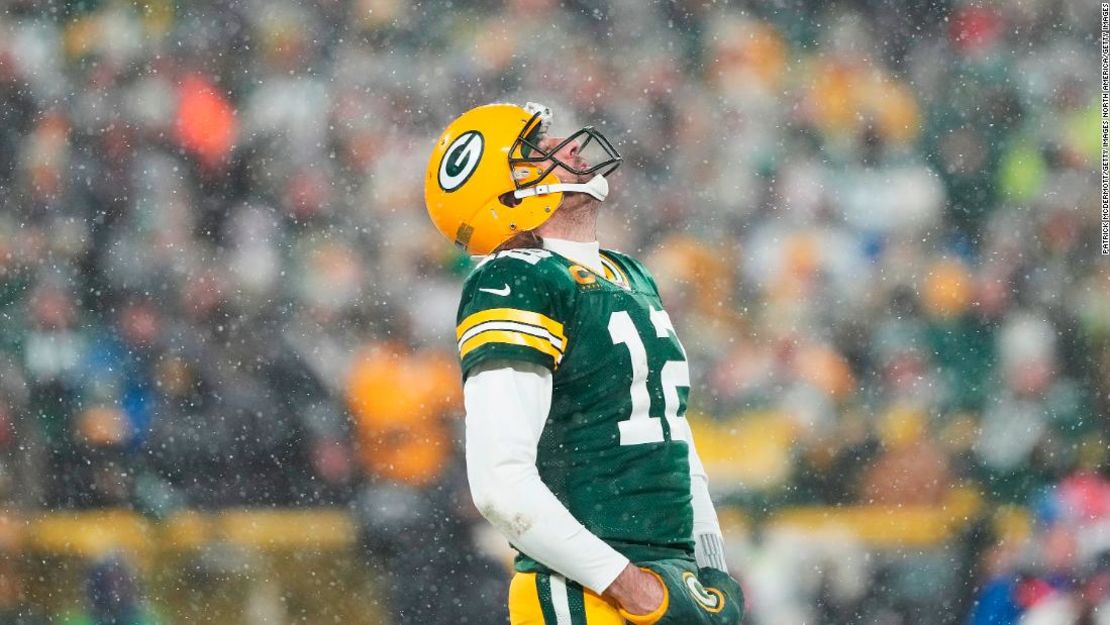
x,y
506,406
708,541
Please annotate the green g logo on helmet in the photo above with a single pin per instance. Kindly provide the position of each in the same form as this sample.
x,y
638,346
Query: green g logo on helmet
x,y
460,160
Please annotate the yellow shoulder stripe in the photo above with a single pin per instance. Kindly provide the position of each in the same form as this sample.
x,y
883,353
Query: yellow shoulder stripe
x,y
511,314
512,338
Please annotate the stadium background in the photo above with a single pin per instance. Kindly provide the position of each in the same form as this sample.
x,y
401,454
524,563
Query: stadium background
x,y
227,386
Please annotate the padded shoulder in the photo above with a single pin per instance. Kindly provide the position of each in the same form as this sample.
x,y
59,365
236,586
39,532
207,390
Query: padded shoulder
x,y
637,273
528,266
514,306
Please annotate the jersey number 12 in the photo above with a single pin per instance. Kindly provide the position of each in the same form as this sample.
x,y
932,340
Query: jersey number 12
x,y
641,427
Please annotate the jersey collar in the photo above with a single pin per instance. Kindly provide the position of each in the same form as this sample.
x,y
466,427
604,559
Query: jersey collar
x,y
586,253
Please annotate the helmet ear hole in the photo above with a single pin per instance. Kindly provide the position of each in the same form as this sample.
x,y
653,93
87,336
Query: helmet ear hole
x,y
509,199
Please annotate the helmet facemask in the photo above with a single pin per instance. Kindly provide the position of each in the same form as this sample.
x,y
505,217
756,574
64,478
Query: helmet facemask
x,y
526,155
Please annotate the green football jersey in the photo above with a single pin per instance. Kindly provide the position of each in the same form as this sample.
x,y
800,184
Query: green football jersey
x,y
614,448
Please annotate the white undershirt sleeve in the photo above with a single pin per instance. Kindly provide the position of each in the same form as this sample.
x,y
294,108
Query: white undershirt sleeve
x,y
708,542
506,408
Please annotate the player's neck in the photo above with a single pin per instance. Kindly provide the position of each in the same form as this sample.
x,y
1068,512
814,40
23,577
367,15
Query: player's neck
x,y
577,223
572,232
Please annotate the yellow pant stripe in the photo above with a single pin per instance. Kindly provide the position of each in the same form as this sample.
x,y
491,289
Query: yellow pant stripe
x,y
524,601
525,607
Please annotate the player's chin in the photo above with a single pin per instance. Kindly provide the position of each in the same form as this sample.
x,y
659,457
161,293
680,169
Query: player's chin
x,y
583,179
575,199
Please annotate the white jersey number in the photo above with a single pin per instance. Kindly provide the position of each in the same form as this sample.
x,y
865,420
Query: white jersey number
x,y
641,427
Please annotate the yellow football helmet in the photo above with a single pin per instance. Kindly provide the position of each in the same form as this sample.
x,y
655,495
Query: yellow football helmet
x,y
488,179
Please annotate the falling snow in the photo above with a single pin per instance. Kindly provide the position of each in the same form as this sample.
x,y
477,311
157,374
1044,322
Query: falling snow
x,y
229,380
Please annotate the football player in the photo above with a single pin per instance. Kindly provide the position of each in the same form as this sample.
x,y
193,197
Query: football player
x,y
575,384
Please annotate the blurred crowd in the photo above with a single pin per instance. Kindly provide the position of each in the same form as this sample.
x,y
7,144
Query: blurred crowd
x,y
874,223
1060,573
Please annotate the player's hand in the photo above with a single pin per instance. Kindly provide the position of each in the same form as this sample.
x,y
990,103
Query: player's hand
x,y
636,591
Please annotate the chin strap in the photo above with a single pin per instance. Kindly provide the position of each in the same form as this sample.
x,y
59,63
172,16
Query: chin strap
x,y
598,187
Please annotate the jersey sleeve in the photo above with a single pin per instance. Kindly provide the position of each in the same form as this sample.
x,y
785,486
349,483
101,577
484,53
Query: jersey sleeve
x,y
511,310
